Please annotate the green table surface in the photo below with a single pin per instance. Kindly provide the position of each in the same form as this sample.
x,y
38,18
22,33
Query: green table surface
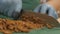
x,y
42,31
46,31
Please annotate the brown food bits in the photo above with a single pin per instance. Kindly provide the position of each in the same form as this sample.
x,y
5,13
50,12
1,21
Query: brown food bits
x,y
27,22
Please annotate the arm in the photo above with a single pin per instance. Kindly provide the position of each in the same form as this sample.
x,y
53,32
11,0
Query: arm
x,y
43,9
15,9
53,13
37,8
18,5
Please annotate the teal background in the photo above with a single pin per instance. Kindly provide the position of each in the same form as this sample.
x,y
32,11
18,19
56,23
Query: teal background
x,y
30,4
